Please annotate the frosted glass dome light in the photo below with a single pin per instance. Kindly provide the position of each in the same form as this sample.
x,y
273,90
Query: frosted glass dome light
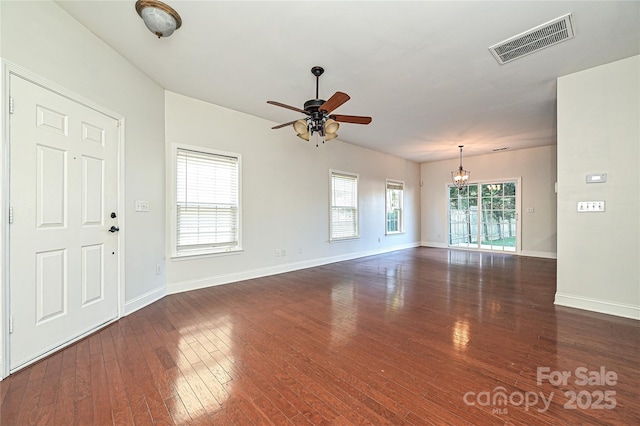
x,y
159,18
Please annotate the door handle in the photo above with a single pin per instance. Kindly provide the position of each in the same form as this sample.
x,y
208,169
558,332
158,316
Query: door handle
x,y
114,229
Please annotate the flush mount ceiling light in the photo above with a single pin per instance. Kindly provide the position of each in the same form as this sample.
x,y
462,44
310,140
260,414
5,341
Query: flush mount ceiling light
x,y
160,18
460,177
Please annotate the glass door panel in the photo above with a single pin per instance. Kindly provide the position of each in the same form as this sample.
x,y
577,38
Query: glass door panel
x,y
483,216
463,216
499,216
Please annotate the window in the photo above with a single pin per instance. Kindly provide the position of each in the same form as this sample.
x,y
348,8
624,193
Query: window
x,y
394,207
207,206
344,206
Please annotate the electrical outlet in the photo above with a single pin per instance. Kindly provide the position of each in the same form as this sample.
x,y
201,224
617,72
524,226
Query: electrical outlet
x,y
530,209
283,252
158,270
278,253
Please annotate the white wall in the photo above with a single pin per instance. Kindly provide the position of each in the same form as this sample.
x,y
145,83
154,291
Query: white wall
x,y
536,167
285,195
43,39
599,132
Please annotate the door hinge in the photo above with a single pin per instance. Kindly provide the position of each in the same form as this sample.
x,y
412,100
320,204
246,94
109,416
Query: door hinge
x,y
10,214
10,324
10,104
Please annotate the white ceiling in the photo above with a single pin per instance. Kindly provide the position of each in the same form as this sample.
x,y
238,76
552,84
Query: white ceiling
x,y
421,69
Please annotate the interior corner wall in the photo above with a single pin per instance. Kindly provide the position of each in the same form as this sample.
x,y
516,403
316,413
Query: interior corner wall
x,y
537,169
285,195
599,132
43,39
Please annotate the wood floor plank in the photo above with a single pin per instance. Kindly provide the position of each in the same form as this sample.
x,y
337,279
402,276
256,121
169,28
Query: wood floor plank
x,y
101,401
418,337
118,400
178,411
32,393
83,411
140,354
127,367
83,371
11,406
64,406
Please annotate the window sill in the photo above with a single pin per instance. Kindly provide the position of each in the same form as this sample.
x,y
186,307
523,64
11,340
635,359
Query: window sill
x,y
339,240
395,233
195,256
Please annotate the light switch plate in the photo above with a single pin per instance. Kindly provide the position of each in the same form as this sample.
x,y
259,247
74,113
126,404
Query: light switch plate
x,y
590,206
142,206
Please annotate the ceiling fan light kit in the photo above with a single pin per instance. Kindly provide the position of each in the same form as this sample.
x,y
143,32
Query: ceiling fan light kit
x,y
300,126
319,119
161,19
331,126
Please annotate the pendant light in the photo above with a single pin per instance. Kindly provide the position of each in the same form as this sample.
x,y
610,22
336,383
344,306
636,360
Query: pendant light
x,y
460,177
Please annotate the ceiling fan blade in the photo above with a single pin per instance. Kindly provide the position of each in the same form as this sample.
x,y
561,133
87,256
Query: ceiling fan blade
x,y
287,106
279,126
334,102
355,119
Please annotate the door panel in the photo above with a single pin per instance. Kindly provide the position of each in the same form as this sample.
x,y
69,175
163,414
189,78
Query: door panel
x,y
92,191
63,187
51,285
51,173
92,277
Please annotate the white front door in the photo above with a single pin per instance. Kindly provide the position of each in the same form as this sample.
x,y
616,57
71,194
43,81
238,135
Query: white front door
x,y
63,193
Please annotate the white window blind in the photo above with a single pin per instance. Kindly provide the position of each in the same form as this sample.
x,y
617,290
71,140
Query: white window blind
x,y
344,206
207,210
394,207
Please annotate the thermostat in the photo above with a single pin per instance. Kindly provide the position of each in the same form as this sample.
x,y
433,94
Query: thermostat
x,y
596,177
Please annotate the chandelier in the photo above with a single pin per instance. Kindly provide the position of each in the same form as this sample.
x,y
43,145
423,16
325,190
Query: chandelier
x,y
460,177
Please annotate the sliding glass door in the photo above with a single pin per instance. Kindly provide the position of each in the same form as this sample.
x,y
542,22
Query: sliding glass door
x,y
463,216
498,205
484,216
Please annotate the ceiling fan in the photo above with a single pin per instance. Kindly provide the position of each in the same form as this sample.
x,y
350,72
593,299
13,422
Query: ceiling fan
x,y
318,114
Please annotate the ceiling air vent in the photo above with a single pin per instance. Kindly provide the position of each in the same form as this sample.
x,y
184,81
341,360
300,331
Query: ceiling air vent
x,y
545,35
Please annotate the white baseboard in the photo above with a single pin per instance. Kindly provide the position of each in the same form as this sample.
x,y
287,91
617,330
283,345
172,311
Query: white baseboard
x,y
544,254
181,286
432,244
144,300
596,305
531,253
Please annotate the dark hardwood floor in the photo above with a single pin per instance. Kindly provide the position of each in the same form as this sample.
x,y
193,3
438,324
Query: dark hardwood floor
x,y
418,336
